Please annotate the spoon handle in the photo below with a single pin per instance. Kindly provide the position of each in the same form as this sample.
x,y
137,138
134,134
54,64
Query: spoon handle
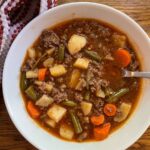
x,y
137,74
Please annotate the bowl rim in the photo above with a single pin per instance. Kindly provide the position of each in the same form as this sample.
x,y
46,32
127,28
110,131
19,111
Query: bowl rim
x,y
147,122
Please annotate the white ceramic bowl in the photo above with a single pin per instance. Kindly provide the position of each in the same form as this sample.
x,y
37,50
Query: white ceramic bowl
x,y
120,139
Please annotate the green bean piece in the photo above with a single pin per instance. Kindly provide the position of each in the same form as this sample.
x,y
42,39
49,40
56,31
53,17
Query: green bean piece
x,y
61,52
94,55
76,123
115,97
23,82
31,93
69,103
87,95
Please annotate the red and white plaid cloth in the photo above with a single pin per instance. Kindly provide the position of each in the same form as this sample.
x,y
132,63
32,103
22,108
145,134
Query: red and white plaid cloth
x,y
14,15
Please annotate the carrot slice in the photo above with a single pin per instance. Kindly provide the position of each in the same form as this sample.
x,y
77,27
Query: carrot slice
x,y
33,111
122,57
97,120
42,73
100,133
110,109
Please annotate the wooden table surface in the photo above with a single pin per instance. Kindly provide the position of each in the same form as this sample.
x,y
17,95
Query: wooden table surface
x,y
11,139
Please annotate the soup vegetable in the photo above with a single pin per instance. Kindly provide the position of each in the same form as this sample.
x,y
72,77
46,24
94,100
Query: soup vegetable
x,y
71,80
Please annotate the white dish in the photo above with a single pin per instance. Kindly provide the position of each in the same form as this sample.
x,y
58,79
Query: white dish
x,y
120,139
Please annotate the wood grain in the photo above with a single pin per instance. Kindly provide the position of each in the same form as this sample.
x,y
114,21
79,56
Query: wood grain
x,y
11,139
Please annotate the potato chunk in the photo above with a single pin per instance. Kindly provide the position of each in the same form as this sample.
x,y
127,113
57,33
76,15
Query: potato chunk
x,y
66,132
31,74
48,87
56,112
44,101
86,107
82,63
31,53
75,75
124,111
48,62
119,40
81,84
50,122
76,43
58,70
100,93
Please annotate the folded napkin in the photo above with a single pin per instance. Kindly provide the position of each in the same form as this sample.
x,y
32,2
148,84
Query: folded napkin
x,y
14,15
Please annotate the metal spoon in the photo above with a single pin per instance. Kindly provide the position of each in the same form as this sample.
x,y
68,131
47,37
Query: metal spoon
x,y
127,73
